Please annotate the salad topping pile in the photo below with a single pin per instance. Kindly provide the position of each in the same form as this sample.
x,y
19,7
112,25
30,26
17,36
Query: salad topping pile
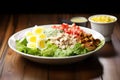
x,y
57,41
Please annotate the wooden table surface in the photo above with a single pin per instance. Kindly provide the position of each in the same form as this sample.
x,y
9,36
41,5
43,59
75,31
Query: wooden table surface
x,y
104,65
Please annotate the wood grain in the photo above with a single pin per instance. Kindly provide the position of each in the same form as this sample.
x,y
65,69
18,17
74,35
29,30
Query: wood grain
x,y
103,65
4,23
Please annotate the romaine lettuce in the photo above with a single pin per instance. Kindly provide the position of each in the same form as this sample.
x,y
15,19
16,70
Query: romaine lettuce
x,y
51,50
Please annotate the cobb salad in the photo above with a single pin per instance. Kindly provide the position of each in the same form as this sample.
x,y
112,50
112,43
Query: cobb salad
x,y
57,41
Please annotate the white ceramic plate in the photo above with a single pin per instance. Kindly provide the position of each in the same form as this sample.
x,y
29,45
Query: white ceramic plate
x,y
54,60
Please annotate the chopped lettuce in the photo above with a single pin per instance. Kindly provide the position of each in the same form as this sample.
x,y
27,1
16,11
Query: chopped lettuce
x,y
22,47
78,49
51,50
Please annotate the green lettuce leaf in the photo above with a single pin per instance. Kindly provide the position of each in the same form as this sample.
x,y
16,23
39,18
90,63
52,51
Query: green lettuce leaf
x,y
50,50
78,49
21,45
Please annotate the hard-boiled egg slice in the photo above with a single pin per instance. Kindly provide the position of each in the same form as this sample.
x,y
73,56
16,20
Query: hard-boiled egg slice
x,y
29,33
32,38
37,30
42,36
31,45
41,44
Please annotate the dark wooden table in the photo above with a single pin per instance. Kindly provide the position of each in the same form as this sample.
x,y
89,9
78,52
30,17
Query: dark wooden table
x,y
104,65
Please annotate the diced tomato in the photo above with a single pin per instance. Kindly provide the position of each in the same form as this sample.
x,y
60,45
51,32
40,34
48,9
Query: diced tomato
x,y
67,31
65,25
74,29
53,26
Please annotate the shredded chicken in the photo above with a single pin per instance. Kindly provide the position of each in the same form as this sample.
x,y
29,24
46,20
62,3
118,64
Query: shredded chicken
x,y
64,40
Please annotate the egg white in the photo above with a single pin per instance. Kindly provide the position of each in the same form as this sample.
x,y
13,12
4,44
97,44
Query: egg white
x,y
41,44
28,33
37,30
32,38
31,45
42,36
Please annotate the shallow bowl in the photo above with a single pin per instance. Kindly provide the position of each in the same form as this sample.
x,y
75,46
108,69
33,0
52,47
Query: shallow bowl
x,y
54,60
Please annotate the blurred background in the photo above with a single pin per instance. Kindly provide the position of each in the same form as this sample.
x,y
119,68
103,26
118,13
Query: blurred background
x,y
58,6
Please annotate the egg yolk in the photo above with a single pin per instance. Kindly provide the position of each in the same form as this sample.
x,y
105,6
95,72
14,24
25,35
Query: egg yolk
x,y
28,34
32,38
41,44
37,30
42,36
